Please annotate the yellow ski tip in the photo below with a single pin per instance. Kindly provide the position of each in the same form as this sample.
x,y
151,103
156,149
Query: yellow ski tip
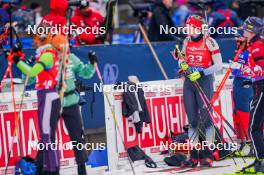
x,y
237,166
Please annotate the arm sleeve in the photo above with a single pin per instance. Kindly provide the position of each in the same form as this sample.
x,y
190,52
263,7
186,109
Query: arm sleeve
x,y
257,54
85,71
46,59
216,57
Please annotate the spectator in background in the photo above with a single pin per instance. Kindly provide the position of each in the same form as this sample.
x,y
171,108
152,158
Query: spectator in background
x,y
4,18
161,17
194,9
223,17
249,8
233,5
57,14
84,17
180,15
99,5
36,9
22,17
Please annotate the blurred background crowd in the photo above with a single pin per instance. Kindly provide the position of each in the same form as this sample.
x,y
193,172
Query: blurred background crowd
x,y
122,21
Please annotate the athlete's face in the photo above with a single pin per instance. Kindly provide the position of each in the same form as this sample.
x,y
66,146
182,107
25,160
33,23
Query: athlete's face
x,y
192,31
248,35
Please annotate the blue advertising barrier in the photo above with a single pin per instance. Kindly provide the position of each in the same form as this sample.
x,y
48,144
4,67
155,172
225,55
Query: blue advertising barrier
x,y
117,62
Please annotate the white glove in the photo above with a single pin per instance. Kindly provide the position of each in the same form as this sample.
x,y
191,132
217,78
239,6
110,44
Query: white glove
x,y
258,70
235,65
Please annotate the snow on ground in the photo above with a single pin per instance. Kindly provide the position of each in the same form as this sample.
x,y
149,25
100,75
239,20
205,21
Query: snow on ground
x,y
141,169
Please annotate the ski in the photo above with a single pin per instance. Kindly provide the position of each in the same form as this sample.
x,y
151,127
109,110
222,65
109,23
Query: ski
x,y
168,170
195,169
247,170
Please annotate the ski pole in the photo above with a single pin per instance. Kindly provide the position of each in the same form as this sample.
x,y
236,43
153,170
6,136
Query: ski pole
x,y
63,72
15,113
209,106
228,72
113,113
206,100
215,109
153,51
17,116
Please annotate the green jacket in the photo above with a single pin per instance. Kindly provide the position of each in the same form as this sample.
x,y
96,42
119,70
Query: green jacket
x,y
75,67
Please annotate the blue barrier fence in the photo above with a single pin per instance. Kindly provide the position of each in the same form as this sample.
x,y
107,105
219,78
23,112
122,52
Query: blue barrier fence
x,y
117,62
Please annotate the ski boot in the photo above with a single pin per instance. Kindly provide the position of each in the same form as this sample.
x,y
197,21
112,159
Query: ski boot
x,y
51,172
206,158
245,150
39,170
193,160
259,166
250,169
176,160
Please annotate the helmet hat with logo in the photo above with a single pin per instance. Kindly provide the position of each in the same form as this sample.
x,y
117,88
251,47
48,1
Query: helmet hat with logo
x,y
253,24
195,21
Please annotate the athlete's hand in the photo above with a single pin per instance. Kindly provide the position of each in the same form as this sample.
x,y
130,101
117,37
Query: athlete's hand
x,y
235,65
184,66
92,57
177,53
12,57
258,70
195,76
17,48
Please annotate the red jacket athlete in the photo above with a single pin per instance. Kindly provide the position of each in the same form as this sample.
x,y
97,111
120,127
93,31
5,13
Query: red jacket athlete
x,y
46,71
203,59
90,21
253,31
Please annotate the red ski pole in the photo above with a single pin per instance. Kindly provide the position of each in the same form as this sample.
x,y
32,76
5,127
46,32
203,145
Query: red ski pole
x,y
228,72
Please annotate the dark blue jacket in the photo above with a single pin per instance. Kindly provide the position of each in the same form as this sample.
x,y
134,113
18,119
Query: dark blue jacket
x,y
223,17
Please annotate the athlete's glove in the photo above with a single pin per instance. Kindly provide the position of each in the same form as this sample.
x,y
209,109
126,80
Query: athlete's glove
x,y
92,57
195,76
17,48
184,66
16,54
236,68
258,70
12,57
177,53
235,65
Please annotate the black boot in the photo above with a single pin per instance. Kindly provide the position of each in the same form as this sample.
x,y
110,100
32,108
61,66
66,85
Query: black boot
x,y
259,166
82,169
193,160
206,158
51,173
39,170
